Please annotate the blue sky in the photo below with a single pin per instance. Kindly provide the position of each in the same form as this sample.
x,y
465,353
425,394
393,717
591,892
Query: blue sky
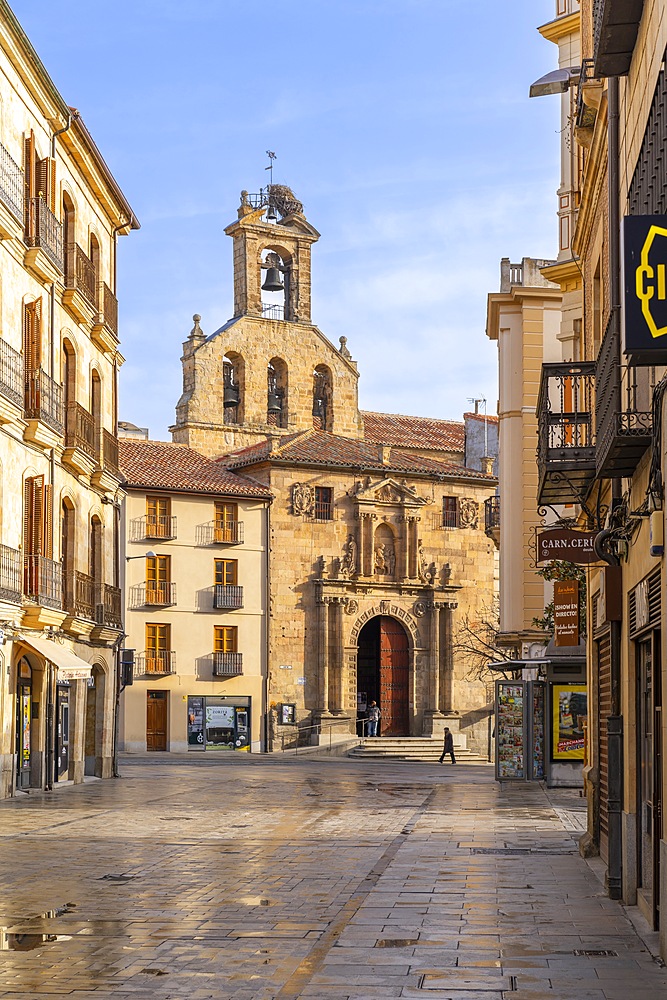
x,y
404,127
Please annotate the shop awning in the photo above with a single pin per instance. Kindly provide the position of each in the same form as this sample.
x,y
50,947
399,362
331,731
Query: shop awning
x,y
70,666
501,665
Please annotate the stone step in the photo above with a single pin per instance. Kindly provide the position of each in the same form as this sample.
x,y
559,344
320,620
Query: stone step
x,y
410,748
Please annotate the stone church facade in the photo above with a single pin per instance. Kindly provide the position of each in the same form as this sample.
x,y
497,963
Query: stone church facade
x,y
377,541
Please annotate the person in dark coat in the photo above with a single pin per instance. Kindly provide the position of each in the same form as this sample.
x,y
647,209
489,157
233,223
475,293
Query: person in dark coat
x,y
448,747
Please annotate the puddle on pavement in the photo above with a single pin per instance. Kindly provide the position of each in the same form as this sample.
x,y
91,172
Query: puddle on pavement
x,y
31,938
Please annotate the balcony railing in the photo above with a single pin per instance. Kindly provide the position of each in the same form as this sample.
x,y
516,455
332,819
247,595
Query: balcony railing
x,y
43,230
155,663
110,309
615,28
44,400
43,581
10,575
565,432
12,375
272,310
219,533
79,429
160,594
623,411
142,528
492,515
80,595
227,597
11,185
108,606
110,459
227,664
80,273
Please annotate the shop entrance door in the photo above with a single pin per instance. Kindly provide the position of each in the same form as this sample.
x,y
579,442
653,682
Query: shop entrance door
x,y
156,720
62,733
383,673
23,720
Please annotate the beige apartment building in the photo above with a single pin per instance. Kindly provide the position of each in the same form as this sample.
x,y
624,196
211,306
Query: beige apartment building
x,y
61,212
196,600
377,545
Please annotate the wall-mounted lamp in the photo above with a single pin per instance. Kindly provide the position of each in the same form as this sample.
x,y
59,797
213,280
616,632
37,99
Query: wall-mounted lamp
x,y
558,81
147,555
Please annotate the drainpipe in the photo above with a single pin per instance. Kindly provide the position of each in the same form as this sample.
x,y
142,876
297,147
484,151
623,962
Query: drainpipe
x,y
614,877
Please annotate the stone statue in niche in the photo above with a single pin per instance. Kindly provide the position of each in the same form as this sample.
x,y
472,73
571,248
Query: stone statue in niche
x,y
348,566
379,564
468,513
422,564
384,562
303,499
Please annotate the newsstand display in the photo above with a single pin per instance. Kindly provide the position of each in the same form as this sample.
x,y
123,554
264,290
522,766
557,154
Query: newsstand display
x,y
520,730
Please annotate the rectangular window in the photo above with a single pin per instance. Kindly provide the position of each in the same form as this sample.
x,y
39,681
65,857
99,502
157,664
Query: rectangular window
x,y
158,579
158,520
450,512
225,639
226,572
158,642
323,503
225,521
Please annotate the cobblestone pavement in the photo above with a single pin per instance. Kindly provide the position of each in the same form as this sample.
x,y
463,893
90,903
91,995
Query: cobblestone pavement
x,y
253,878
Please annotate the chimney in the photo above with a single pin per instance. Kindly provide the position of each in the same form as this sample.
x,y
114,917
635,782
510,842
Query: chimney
x,y
384,453
487,465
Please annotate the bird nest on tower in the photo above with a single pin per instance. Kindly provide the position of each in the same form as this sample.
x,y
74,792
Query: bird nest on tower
x,y
283,199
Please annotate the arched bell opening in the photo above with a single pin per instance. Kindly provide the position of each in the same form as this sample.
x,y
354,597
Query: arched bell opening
x,y
322,399
383,674
276,399
275,284
233,379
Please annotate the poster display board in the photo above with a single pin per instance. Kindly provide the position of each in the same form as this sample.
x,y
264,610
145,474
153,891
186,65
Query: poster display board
x,y
510,763
538,721
569,705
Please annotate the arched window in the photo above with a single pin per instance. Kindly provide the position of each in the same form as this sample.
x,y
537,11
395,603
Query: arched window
x,y
67,552
96,555
275,283
95,261
96,410
276,393
233,371
69,239
322,399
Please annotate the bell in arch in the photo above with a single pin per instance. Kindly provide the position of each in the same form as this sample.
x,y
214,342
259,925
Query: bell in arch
x,y
275,403
273,281
231,395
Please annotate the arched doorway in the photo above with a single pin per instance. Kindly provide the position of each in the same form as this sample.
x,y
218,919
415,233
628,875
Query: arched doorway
x,y
383,673
94,733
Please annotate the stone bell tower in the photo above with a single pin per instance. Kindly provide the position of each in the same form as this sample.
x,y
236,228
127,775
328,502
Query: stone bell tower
x,y
260,242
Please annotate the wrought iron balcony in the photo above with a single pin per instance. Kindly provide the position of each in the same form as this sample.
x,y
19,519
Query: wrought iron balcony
x,y
79,595
80,429
12,374
10,575
12,185
565,432
142,528
615,28
227,664
43,581
43,230
155,663
44,400
492,516
110,309
80,273
623,411
110,459
219,533
160,593
108,606
227,598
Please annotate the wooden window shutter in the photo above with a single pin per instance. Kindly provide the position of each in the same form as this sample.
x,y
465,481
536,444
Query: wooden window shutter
x,y
33,515
32,335
52,184
30,163
45,181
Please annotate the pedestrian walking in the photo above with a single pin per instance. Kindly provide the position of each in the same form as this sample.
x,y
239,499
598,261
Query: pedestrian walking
x,y
448,747
372,719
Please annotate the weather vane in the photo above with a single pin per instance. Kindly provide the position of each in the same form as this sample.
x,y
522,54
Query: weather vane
x,y
272,157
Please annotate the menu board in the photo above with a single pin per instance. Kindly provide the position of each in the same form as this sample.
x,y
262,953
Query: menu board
x,y
509,730
538,731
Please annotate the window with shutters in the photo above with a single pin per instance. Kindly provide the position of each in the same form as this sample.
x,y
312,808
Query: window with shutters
x,y
226,572
450,512
225,524
158,517
158,643
42,578
32,336
225,639
323,510
158,580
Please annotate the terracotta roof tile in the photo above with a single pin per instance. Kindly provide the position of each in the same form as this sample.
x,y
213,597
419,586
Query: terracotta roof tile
x,y
490,417
321,448
414,432
162,465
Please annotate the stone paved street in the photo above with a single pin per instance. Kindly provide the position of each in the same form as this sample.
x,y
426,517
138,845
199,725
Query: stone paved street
x,y
260,878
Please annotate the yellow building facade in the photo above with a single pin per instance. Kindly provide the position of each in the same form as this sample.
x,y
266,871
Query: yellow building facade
x,y
61,212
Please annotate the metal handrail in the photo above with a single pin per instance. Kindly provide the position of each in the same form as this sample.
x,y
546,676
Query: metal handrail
x,y
319,726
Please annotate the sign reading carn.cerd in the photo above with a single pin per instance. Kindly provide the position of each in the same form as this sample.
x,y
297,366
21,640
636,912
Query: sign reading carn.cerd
x,y
566,544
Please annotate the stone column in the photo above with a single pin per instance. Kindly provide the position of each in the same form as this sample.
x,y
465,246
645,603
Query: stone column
x,y
402,554
336,655
413,567
323,651
434,659
366,542
447,658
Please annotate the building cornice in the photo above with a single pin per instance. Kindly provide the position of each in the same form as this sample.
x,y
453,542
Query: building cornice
x,y
563,272
553,31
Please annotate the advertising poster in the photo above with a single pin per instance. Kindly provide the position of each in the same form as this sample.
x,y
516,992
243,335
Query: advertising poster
x,y
509,730
538,731
220,727
195,722
570,716
566,613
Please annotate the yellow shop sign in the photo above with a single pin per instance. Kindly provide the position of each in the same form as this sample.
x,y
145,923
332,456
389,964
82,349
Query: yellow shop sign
x,y
645,285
